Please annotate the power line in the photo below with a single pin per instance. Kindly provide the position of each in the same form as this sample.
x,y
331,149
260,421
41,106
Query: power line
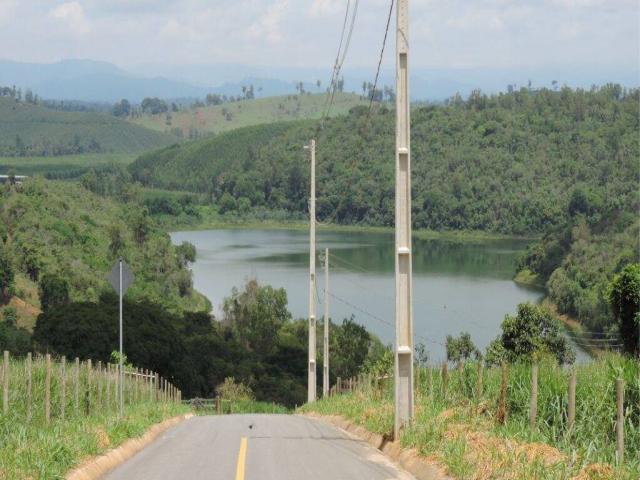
x,y
384,42
335,65
338,66
379,319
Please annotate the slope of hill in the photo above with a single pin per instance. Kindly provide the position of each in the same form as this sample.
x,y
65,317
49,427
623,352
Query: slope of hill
x,y
27,129
506,163
222,118
62,229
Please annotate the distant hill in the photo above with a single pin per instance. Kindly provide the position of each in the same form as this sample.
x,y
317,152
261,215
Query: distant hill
x,y
27,129
221,118
92,81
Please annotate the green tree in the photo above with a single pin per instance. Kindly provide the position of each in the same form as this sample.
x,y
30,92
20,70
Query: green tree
x,y
624,298
116,240
6,275
53,291
461,348
256,315
185,253
532,331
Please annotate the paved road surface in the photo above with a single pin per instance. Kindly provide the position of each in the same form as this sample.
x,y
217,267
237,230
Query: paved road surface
x,y
257,447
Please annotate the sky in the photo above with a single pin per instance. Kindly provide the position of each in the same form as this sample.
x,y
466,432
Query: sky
x,y
305,33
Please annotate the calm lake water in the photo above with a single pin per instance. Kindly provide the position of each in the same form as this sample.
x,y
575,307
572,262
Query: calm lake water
x,y
458,286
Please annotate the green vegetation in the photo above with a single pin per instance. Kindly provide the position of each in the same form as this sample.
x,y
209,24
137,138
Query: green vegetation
x,y
506,163
533,332
62,230
35,449
64,166
624,296
256,343
460,429
28,130
201,120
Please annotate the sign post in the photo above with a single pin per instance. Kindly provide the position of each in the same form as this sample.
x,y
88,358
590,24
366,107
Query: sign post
x,y
121,278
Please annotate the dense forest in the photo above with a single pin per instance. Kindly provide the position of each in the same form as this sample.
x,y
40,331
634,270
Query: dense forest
x,y
505,163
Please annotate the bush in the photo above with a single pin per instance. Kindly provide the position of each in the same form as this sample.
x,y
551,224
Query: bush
x,y
533,332
234,391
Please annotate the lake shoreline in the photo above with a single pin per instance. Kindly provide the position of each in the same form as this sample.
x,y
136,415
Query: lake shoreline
x,y
459,235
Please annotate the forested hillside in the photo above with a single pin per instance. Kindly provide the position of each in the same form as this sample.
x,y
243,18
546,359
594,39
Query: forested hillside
x,y
27,129
60,238
506,163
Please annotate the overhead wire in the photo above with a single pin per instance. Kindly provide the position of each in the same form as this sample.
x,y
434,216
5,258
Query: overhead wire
x,y
384,42
338,66
335,65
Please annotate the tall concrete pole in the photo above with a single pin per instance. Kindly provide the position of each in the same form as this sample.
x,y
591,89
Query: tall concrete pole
x,y
404,314
311,390
325,352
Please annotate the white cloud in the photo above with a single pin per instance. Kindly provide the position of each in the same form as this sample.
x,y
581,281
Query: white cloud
x,y
268,25
6,9
474,33
72,14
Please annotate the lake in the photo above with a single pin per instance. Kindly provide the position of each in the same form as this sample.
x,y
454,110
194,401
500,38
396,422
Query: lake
x,y
457,285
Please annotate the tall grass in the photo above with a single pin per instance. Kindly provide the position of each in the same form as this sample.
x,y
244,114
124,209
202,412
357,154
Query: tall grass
x,y
31,447
439,417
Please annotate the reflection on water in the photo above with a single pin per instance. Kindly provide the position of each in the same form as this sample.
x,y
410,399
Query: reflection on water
x,y
458,286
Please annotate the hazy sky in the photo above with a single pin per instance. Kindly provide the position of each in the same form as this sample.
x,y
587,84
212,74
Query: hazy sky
x,y
444,33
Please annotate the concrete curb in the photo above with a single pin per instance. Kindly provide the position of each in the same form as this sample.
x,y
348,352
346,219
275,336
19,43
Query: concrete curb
x,y
96,467
409,459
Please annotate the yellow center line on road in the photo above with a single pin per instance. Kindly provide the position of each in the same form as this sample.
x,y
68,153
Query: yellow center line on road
x,y
242,458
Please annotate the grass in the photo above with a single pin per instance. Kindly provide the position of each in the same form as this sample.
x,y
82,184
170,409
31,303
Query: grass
x,y
244,113
46,130
37,450
65,166
460,431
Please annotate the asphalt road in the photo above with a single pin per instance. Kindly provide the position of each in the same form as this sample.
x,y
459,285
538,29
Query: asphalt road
x,y
257,447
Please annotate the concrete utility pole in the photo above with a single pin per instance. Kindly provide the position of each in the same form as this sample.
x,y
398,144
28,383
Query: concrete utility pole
x,y
404,314
311,390
325,353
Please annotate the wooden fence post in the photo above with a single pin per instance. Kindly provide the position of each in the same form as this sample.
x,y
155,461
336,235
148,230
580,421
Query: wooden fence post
x,y
47,390
501,416
156,384
445,379
76,387
620,420
418,389
218,406
572,401
5,383
479,380
63,386
339,384
29,387
108,385
89,371
533,407
99,384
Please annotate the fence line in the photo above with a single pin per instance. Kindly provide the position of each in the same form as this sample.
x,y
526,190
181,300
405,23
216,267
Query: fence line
x,y
35,388
368,384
